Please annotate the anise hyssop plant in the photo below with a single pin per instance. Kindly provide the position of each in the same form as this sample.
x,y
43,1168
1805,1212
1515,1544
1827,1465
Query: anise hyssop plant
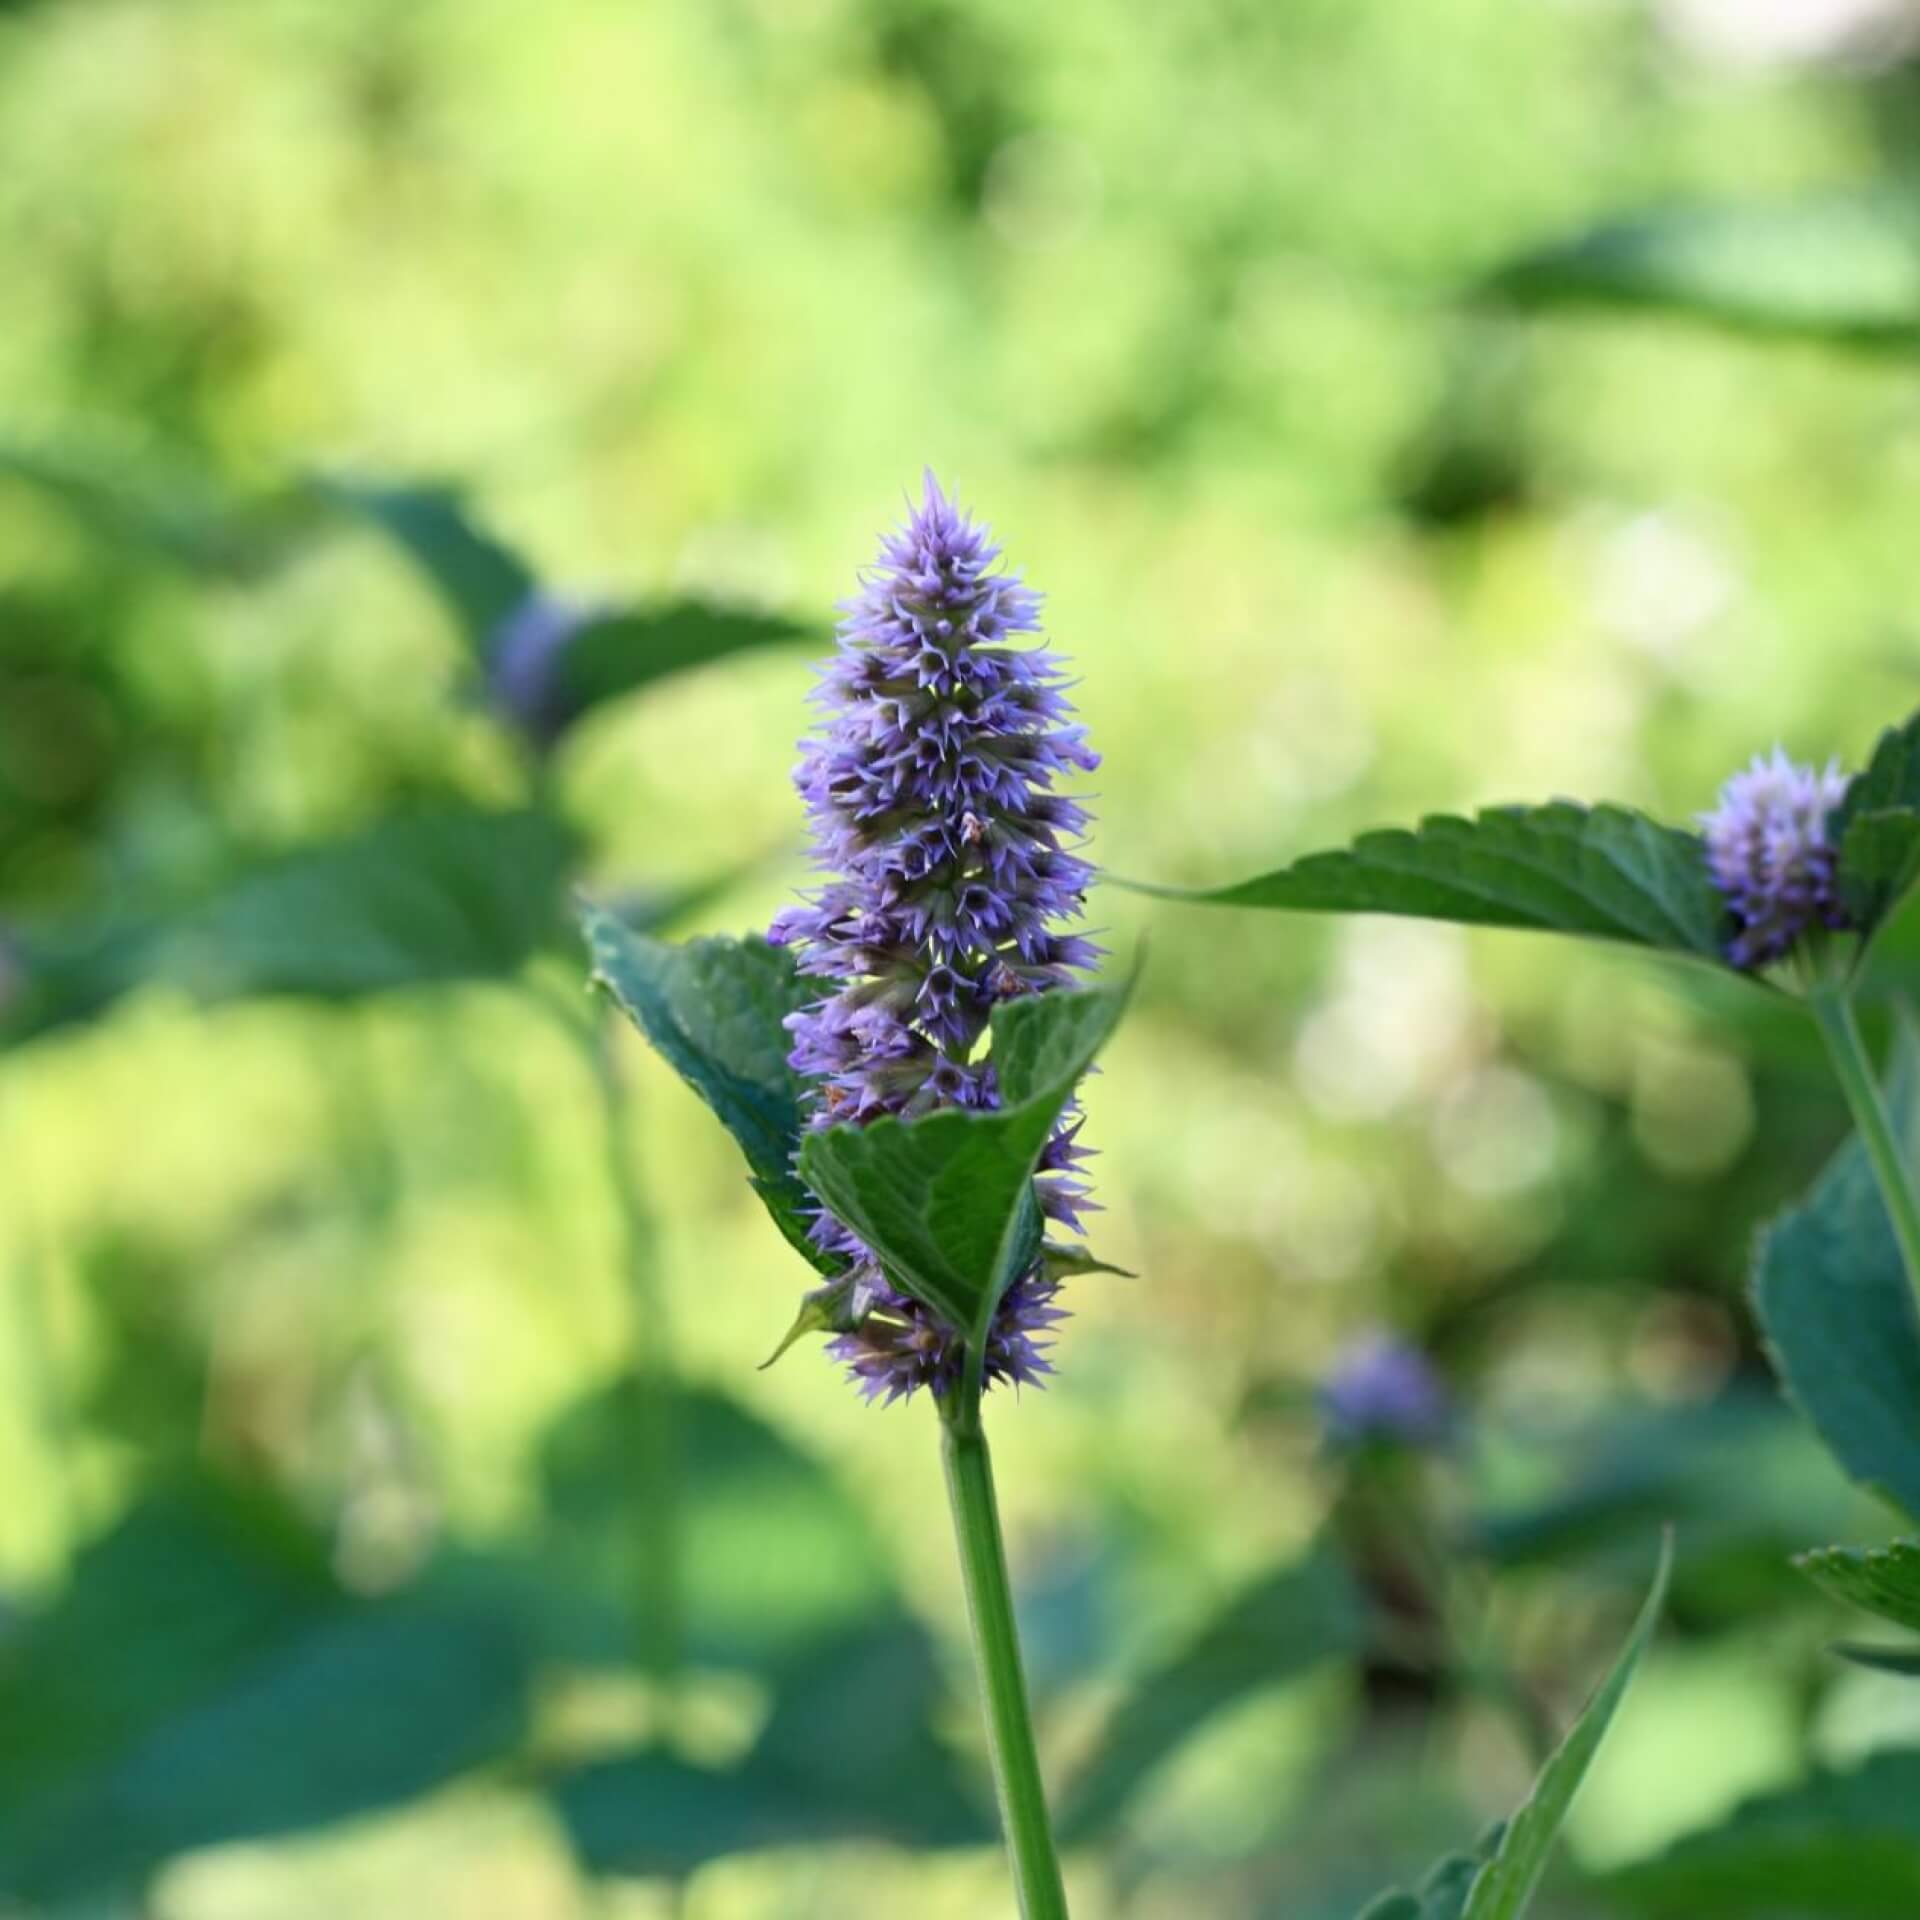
x,y
899,1060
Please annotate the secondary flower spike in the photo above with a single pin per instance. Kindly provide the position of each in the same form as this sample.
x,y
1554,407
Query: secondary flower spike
x,y
951,869
1768,851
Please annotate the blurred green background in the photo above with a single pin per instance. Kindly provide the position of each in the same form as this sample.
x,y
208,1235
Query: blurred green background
x,y
1202,307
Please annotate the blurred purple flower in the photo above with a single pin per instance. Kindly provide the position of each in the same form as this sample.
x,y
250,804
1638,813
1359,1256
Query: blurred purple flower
x,y
1768,852
1382,1390
523,671
951,867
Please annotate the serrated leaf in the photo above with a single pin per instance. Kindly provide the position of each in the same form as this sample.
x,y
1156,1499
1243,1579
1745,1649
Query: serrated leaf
x,y
1504,1888
714,1011
1443,1893
1839,267
417,900
1879,863
946,1201
1891,778
1882,1580
1845,1846
620,652
480,579
1559,868
1285,1624
1832,1298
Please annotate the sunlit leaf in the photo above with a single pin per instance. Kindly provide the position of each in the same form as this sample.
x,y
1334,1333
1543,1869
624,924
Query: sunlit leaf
x,y
1833,1301
1882,1580
1841,1845
1292,1620
1843,267
945,1201
714,1010
1560,868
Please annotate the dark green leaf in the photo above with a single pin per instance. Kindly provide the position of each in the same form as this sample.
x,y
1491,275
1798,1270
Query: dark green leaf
x,y
618,653
1832,1298
1882,1580
1290,1621
1879,862
1504,1888
202,1680
1845,1846
481,580
1559,868
1844,267
947,1201
413,901
713,1009
1904,1661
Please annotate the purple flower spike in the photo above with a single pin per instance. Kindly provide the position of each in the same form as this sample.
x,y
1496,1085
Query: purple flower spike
x,y
1768,851
1383,1391
950,866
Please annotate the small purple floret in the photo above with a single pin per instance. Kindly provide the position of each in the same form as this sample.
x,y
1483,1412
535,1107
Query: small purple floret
x,y
1383,1391
523,670
951,867
1769,853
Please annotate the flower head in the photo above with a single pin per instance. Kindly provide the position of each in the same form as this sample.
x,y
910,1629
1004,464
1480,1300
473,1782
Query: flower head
x,y
1382,1390
528,646
951,871
1770,855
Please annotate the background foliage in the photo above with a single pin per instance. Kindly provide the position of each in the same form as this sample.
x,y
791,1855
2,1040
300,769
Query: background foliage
x,y
1406,407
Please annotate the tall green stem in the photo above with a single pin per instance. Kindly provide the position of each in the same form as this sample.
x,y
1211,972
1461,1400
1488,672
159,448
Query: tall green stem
x,y
1833,1010
996,1652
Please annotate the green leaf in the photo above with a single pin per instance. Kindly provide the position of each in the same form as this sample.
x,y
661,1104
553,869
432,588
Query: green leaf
x,y
1879,862
1288,1622
713,1009
1504,1888
203,1679
481,580
620,652
946,1201
1558,868
1882,1580
1443,1893
1904,1661
1890,781
1845,1846
1839,267
1832,1299
849,1753
417,900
